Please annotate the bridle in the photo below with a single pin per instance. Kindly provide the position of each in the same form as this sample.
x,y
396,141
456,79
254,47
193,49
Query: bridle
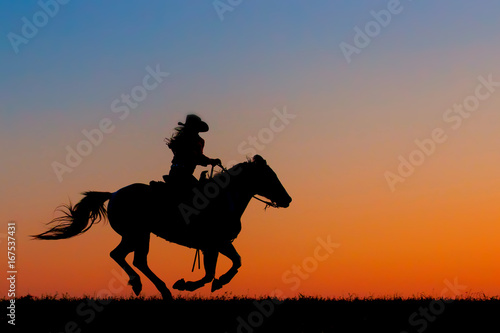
x,y
268,203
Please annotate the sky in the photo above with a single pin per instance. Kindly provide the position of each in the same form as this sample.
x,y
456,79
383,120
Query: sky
x,y
383,119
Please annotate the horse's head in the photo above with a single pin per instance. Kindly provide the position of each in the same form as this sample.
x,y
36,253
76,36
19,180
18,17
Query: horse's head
x,y
266,183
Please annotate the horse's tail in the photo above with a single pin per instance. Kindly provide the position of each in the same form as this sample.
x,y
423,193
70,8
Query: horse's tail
x,y
78,219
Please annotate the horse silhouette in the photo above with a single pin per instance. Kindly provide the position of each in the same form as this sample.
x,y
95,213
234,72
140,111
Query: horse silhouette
x,y
209,220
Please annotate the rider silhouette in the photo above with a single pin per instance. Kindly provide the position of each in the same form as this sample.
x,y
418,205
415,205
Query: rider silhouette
x,y
187,146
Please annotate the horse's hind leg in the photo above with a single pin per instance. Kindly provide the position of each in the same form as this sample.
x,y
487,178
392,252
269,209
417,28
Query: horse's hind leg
x,y
141,262
230,252
119,254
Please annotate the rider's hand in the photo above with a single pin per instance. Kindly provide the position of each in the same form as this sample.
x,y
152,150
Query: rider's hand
x,y
215,161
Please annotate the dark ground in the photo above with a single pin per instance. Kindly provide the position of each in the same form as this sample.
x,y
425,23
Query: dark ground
x,y
250,315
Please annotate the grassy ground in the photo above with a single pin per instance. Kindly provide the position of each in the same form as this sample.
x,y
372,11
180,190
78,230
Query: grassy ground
x,y
51,314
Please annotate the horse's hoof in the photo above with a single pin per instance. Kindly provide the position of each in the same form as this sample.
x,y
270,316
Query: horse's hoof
x,y
193,285
180,285
136,286
216,285
167,296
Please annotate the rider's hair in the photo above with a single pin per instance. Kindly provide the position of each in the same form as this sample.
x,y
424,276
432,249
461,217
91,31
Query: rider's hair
x,y
178,131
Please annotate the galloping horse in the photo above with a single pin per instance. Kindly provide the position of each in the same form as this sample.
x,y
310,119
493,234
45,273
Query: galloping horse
x,y
209,220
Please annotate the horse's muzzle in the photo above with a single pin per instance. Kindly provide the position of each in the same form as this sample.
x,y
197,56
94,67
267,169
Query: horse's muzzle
x,y
284,203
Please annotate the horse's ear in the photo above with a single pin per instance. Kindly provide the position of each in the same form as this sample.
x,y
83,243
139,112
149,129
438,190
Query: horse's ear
x,y
257,159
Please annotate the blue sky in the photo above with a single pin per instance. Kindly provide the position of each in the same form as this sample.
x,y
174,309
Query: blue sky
x,y
96,48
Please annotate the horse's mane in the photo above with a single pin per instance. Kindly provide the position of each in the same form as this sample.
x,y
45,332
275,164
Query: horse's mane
x,y
234,167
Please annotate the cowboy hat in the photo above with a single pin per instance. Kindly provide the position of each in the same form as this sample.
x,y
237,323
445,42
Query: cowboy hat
x,y
195,123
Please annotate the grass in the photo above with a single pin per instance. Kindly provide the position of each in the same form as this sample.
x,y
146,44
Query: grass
x,y
54,313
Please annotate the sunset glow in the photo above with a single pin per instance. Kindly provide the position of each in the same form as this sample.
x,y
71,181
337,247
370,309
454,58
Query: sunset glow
x,y
389,152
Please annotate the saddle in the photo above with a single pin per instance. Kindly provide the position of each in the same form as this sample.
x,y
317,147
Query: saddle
x,y
169,188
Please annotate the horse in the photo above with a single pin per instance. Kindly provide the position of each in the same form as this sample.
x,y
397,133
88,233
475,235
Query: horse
x,y
208,220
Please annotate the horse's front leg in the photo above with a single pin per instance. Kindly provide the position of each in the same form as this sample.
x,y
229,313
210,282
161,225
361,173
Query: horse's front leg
x,y
229,251
209,263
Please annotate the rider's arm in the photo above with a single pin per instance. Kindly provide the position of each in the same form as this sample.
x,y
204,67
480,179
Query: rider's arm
x,y
201,159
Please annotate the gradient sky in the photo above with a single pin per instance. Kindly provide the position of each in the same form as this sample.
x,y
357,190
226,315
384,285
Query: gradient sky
x,y
354,122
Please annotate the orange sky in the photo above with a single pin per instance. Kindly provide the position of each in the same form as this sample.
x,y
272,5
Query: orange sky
x,y
439,225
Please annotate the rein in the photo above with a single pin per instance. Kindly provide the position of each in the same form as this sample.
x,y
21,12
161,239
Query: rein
x,y
268,203
196,256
